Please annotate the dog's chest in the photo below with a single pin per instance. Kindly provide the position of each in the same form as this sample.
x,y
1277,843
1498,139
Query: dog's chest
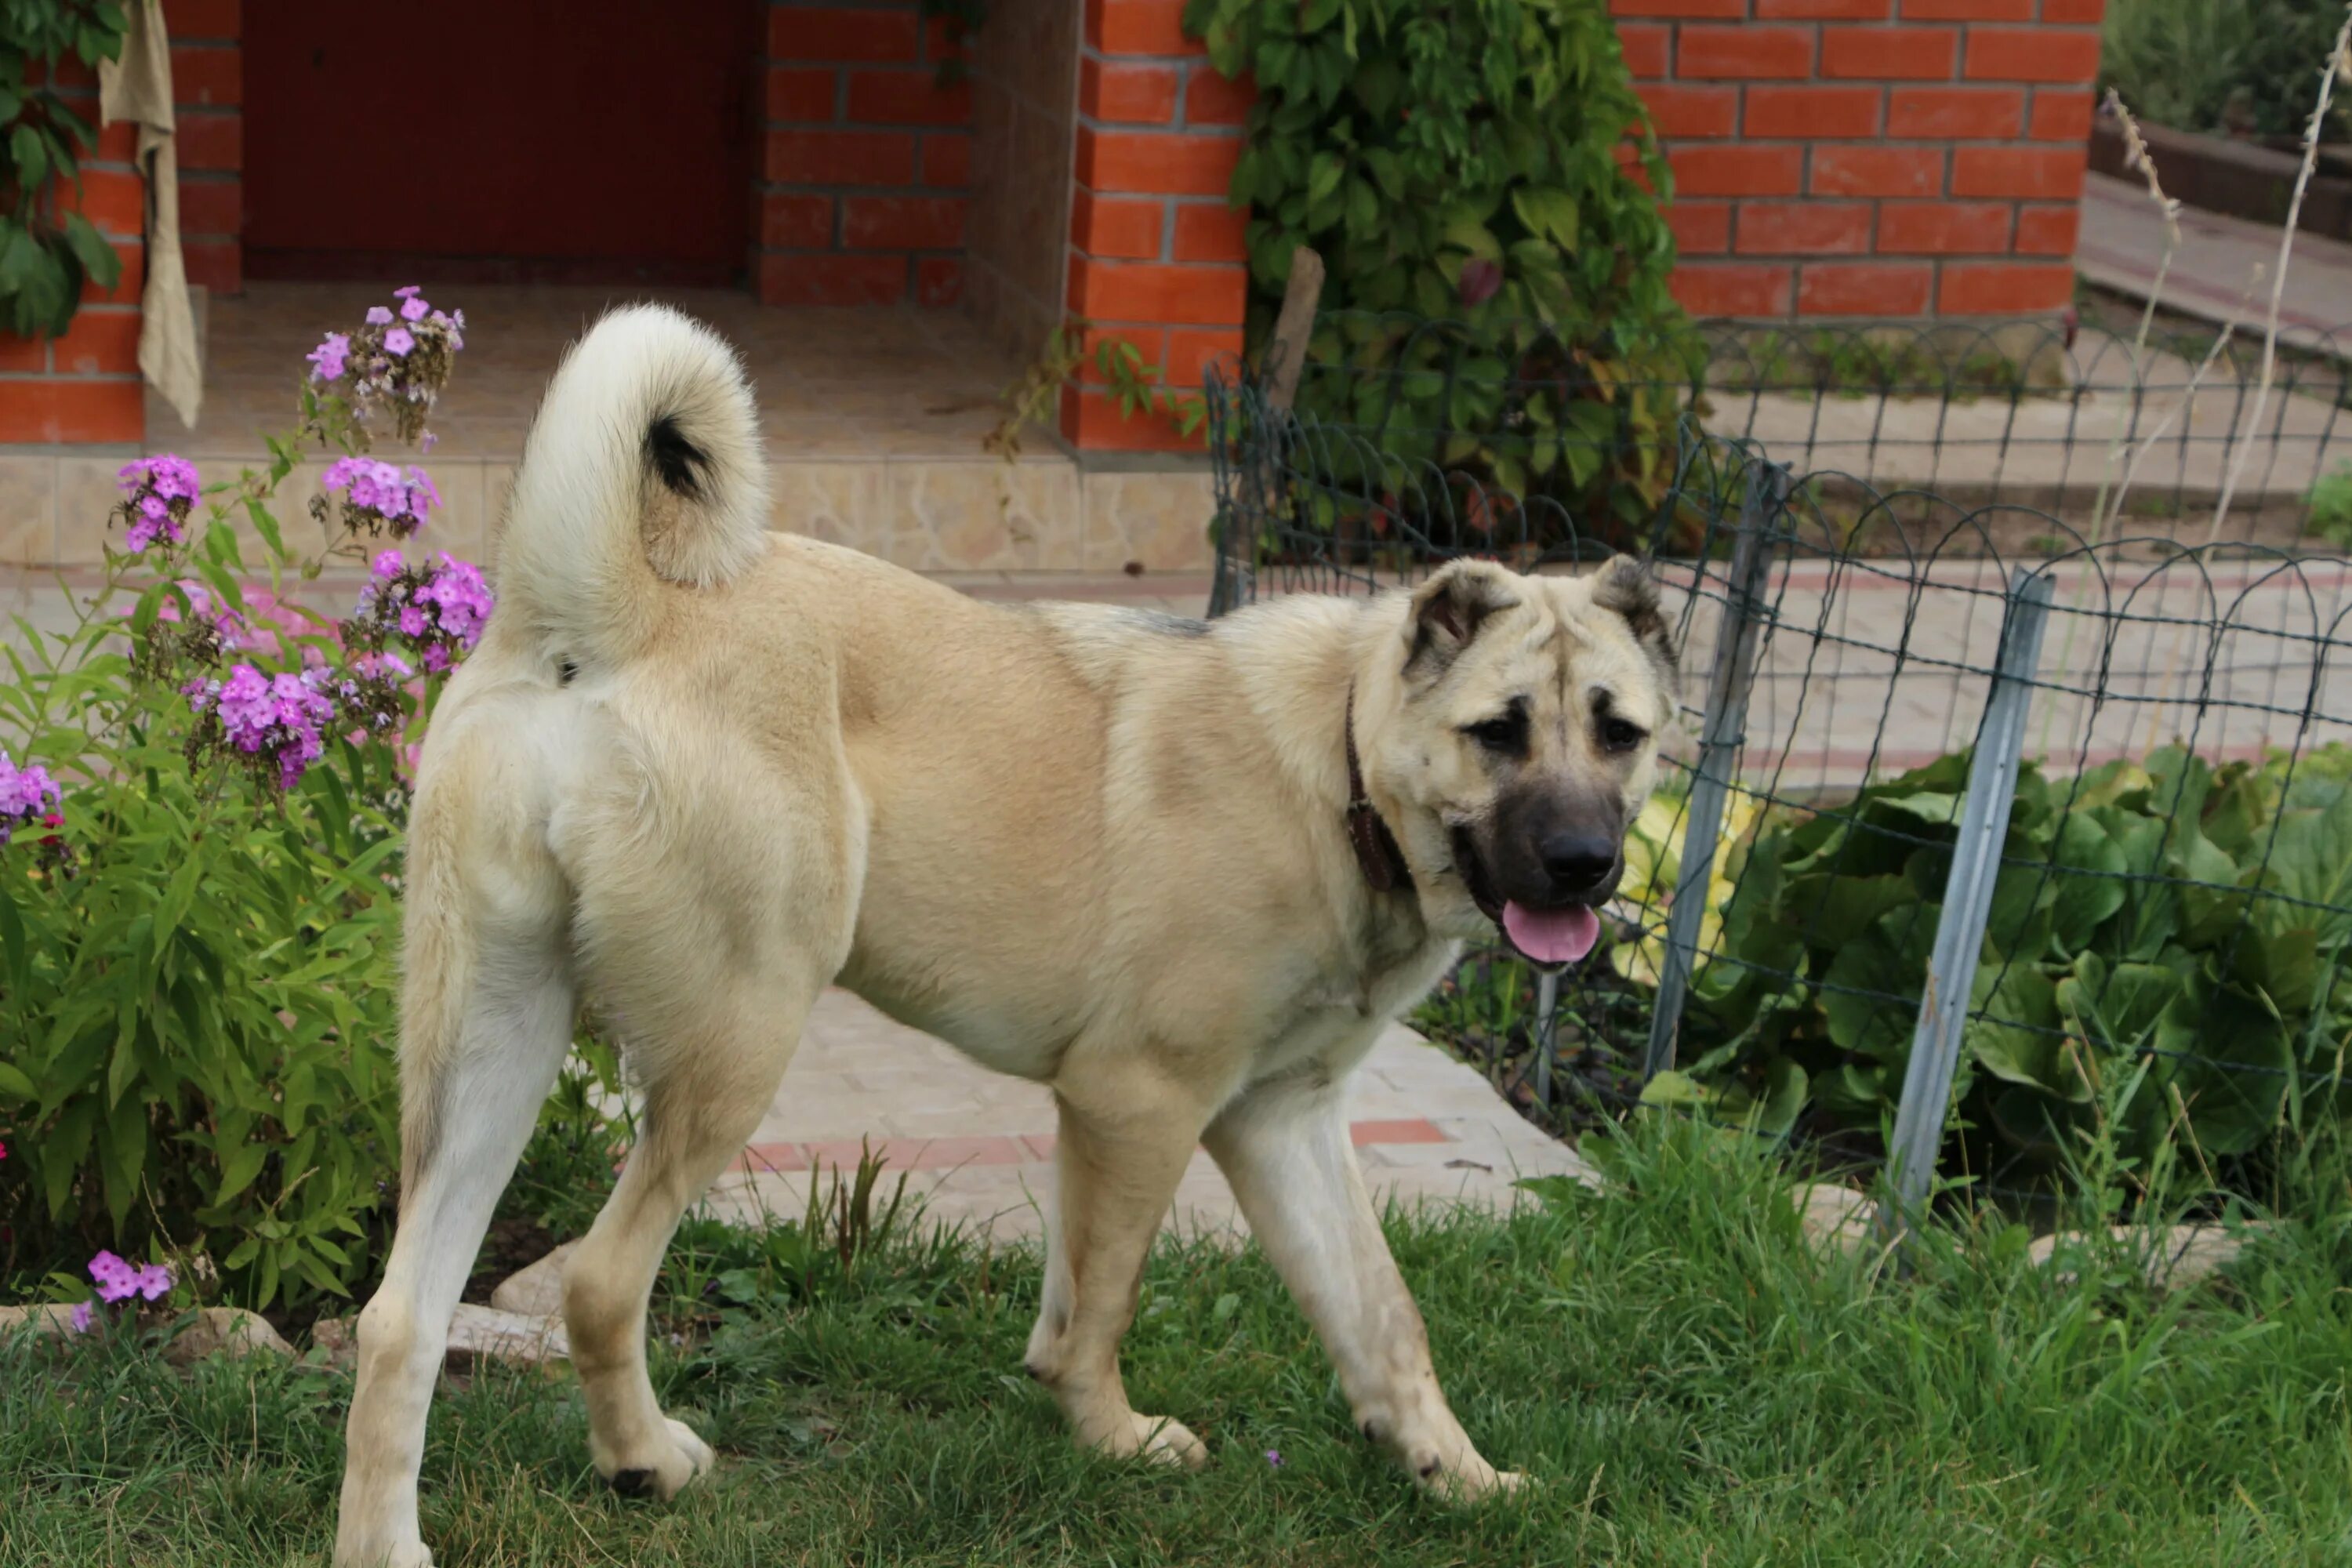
x,y
1336,1016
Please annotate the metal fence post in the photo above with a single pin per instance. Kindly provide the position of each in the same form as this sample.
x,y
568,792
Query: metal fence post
x,y
1967,899
1723,730
1284,359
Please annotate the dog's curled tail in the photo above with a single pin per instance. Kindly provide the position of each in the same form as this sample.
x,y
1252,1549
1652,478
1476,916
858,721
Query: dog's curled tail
x,y
645,467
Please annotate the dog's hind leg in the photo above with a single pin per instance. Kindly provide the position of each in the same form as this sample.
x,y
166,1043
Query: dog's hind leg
x,y
710,932
1127,1133
1285,1147
487,1012
718,1072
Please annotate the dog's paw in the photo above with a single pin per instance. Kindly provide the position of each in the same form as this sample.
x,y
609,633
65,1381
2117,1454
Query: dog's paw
x,y
662,1468
371,1554
1155,1437
1466,1482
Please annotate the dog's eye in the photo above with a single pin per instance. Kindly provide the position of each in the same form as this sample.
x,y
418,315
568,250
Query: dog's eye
x,y
1506,733
1622,735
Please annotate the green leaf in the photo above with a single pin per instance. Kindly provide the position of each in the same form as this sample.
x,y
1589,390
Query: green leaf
x,y
1550,214
30,151
1872,989
97,256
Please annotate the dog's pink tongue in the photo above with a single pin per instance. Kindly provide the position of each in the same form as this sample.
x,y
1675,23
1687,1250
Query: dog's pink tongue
x,y
1551,936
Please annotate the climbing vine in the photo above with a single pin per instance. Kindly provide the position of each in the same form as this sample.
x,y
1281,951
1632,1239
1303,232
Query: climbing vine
x,y
1482,163
46,251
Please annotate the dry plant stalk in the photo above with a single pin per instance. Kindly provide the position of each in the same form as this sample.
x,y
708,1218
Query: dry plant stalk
x,y
2336,65
2139,157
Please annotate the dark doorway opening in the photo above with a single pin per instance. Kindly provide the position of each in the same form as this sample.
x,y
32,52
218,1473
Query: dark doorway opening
x,y
500,141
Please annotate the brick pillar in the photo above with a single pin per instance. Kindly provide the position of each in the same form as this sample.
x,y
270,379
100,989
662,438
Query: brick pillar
x,y
867,169
83,387
208,116
1156,255
1870,158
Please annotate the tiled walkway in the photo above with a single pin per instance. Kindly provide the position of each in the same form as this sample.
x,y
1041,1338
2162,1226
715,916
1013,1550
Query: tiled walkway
x,y
978,1147
2222,270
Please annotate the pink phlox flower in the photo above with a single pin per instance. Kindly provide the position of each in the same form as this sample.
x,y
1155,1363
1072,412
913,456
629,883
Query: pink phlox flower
x,y
464,599
116,1279
412,309
424,495
406,291
328,360
167,474
399,341
152,1280
412,622
378,315
80,1317
26,794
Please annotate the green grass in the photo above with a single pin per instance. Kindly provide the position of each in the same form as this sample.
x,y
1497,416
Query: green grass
x,y
1687,1381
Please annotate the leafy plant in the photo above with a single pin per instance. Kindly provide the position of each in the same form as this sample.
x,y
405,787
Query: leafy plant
x,y
2249,66
47,255
196,946
2160,987
1139,388
1464,165
2330,507
2164,944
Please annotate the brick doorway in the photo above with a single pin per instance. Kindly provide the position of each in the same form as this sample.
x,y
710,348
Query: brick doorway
x,y
517,140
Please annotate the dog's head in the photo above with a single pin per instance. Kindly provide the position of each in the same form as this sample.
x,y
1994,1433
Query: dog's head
x,y
1524,740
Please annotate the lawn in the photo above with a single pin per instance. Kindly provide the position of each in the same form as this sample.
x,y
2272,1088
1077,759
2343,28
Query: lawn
x,y
1687,1381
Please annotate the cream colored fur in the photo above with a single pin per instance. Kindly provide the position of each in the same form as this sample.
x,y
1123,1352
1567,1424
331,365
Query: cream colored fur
x,y
696,772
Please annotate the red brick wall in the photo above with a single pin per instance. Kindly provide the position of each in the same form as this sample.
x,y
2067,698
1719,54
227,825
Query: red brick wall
x,y
208,96
867,163
84,387
1156,255
1893,158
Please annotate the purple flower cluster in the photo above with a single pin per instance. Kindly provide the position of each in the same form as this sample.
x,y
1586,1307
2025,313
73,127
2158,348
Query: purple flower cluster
x,y
119,1281
157,494
437,612
379,498
368,694
400,358
274,722
27,794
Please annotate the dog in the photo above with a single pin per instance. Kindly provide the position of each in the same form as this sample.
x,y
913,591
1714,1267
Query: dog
x,y
1184,872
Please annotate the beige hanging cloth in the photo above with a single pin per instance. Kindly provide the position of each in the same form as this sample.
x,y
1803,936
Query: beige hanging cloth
x,y
138,88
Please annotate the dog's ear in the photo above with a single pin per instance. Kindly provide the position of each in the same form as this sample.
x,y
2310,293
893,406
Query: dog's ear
x,y
1624,588
1448,610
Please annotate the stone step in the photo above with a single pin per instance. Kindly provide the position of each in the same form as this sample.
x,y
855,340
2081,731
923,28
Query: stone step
x,y
1040,513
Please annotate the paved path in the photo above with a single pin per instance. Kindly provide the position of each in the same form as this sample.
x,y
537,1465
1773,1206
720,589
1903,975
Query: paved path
x,y
2222,271
979,1146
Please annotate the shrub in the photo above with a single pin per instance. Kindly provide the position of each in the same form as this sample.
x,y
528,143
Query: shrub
x,y
1461,165
2221,65
47,253
196,946
2161,969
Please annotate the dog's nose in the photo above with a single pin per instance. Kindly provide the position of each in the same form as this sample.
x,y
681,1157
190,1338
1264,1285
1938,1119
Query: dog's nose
x,y
1577,862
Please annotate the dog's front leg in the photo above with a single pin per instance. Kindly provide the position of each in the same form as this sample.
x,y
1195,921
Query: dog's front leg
x,y
1284,1146
1127,1133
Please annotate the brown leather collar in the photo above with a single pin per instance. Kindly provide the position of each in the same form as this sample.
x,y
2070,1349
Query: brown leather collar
x,y
1376,847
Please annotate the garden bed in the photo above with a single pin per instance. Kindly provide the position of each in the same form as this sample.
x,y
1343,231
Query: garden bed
x,y
2235,176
